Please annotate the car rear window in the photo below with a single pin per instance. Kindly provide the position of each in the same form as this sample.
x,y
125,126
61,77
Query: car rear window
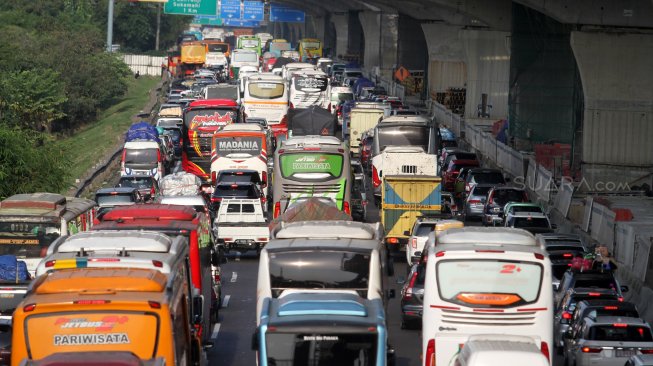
x,y
490,178
424,229
596,282
620,333
612,311
465,156
480,191
503,196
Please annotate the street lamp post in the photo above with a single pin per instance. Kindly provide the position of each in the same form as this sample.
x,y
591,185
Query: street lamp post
x,y
110,27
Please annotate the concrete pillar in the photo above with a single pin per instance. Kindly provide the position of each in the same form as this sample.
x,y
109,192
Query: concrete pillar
x,y
616,73
381,36
341,23
319,28
487,56
446,68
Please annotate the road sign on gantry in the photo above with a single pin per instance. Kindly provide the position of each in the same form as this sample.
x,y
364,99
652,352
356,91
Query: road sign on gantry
x,y
283,14
253,11
191,7
230,9
241,23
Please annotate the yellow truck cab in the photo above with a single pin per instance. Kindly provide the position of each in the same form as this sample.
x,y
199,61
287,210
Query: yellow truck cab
x,y
142,311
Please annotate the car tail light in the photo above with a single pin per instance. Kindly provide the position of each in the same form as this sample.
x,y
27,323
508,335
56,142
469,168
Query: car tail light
x,y
409,290
29,307
544,347
265,179
216,199
91,302
152,192
262,239
291,106
440,254
620,325
468,187
263,199
154,304
346,208
392,240
122,163
214,177
539,256
610,307
594,294
157,264
474,201
591,350
646,351
277,209
413,243
566,315
567,255
429,359
376,180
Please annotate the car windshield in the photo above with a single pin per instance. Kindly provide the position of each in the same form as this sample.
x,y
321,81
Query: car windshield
x,y
319,269
503,196
485,282
620,333
311,44
321,348
27,239
145,158
403,136
114,199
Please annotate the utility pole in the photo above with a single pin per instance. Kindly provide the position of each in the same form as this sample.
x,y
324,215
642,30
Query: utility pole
x,y
158,25
110,27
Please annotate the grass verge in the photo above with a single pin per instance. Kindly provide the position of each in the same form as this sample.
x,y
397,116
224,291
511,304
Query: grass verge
x,y
91,144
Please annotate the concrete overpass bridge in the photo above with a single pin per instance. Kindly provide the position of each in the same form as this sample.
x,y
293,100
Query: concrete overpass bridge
x,y
574,72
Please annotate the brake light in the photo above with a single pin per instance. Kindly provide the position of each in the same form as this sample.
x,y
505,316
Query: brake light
x,y
214,177
264,176
277,209
645,351
346,208
544,347
49,264
263,199
620,299
430,353
29,307
610,307
393,241
591,350
157,264
439,254
154,304
594,294
409,290
291,106
376,180
262,239
468,187
216,199
539,256
474,201
567,255
620,325
566,315
122,162
152,192
413,243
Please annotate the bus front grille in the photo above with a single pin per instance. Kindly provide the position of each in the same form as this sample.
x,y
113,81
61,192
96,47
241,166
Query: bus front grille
x,y
458,317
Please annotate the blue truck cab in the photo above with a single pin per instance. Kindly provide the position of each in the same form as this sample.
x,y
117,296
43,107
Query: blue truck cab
x,y
322,328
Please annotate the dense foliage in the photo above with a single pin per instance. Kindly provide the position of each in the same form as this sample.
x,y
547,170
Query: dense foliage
x,y
55,76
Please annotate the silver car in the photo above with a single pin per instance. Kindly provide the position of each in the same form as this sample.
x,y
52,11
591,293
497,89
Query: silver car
x,y
608,341
475,200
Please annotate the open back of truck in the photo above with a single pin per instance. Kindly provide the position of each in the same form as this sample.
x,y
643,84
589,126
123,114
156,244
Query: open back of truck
x,y
404,198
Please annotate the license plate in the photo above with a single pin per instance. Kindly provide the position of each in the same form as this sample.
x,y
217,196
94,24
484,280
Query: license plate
x,y
625,352
242,241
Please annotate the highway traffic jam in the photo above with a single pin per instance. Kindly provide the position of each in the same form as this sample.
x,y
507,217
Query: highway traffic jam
x,y
329,190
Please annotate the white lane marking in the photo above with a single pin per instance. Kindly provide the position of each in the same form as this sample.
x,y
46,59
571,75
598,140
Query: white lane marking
x,y
234,276
216,330
225,301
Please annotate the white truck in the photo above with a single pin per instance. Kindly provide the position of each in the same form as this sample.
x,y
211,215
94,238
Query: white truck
x,y
401,160
240,225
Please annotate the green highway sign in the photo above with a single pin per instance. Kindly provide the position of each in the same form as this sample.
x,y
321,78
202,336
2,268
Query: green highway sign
x,y
191,7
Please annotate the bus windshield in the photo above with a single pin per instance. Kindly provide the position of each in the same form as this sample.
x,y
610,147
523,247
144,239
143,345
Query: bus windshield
x,y
311,166
142,158
266,90
319,269
313,45
244,57
489,283
321,348
27,239
249,43
403,136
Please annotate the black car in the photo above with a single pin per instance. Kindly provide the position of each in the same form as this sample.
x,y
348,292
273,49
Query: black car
x,y
146,185
497,198
590,279
412,297
562,249
358,212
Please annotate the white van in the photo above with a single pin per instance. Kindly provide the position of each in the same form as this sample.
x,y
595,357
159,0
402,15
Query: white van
x,y
240,58
499,350
142,158
308,88
484,281
266,96
324,255
114,249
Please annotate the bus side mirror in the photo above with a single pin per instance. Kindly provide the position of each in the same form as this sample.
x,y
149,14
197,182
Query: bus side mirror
x,y
198,307
255,341
407,232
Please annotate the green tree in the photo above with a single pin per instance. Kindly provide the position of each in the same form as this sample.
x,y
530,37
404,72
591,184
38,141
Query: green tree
x,y
32,98
29,164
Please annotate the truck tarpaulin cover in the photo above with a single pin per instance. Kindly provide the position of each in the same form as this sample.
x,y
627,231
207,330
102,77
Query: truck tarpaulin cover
x,y
362,83
142,131
311,121
12,269
180,184
310,210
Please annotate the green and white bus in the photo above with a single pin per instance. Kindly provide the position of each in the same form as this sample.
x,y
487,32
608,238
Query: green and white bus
x,y
311,166
249,43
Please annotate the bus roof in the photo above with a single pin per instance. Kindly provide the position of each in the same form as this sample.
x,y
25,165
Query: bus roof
x,y
487,236
336,229
316,244
214,103
157,212
312,140
44,204
94,241
324,309
100,281
246,127
265,77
